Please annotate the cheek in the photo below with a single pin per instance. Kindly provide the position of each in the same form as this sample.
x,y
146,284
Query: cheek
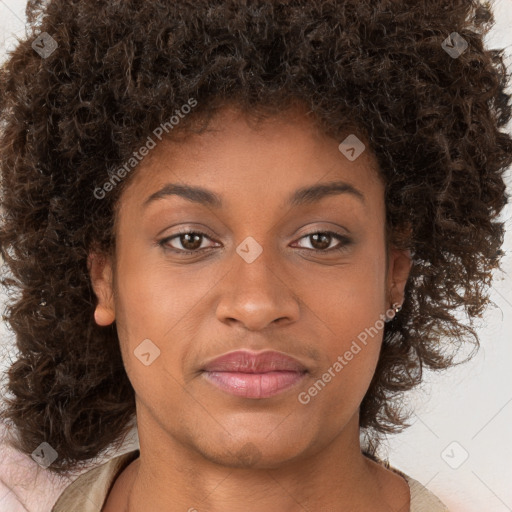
x,y
162,305
348,313
351,348
351,352
348,300
154,300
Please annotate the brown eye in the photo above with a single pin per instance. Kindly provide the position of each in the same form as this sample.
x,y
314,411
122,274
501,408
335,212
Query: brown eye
x,y
187,242
190,241
320,241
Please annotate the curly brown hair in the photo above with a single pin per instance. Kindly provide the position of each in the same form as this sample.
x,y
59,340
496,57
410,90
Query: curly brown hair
x,y
122,68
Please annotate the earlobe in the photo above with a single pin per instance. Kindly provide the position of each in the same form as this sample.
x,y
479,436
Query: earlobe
x,y
103,316
100,272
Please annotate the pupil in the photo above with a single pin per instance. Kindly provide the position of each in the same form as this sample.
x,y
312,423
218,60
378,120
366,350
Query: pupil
x,y
191,245
326,240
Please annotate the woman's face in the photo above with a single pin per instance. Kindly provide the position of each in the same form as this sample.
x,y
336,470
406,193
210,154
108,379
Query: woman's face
x,y
254,282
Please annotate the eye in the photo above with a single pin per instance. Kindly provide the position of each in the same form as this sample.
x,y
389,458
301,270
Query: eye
x,y
321,241
190,241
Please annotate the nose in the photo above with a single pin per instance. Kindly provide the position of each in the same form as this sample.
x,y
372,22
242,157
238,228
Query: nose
x,y
257,294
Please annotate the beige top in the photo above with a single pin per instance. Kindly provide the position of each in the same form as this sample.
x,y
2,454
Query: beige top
x,y
88,493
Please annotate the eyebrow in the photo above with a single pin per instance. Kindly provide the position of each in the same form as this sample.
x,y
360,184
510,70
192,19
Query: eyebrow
x,y
304,195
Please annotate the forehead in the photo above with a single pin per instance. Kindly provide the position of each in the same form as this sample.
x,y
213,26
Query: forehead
x,y
245,161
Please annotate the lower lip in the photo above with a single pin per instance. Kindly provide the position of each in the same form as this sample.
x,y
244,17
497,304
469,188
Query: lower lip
x,y
254,385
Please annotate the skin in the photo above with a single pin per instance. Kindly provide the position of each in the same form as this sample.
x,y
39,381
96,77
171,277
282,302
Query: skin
x,y
202,448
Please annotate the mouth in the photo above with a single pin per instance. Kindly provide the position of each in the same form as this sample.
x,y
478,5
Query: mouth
x,y
254,375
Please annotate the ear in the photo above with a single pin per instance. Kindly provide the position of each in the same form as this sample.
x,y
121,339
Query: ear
x,y
100,271
399,267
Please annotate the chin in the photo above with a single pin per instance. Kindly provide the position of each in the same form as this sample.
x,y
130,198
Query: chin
x,y
252,454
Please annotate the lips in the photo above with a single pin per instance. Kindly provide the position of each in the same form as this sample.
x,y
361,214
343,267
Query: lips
x,y
254,375
244,361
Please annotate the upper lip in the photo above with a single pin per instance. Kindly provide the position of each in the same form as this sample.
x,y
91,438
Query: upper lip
x,y
245,361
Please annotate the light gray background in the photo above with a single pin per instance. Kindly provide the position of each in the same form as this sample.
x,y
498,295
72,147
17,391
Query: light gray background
x,y
470,406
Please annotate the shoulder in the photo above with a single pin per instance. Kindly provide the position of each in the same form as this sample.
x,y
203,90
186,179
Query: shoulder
x,y
89,491
422,500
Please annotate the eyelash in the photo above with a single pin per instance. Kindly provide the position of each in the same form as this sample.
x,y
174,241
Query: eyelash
x,y
345,242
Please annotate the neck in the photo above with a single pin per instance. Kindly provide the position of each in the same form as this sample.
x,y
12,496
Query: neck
x,y
173,476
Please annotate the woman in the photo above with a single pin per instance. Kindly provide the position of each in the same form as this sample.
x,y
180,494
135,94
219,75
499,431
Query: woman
x,y
250,226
